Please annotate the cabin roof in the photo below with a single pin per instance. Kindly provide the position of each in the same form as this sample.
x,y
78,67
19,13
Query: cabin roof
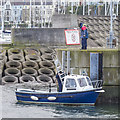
x,y
75,76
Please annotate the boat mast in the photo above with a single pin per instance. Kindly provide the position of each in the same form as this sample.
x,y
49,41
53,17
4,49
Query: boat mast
x,y
41,14
34,14
30,16
45,14
2,19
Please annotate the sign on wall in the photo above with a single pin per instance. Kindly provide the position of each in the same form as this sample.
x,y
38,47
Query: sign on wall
x,y
72,37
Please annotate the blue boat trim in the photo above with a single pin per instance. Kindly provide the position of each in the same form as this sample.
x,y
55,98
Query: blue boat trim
x,y
47,97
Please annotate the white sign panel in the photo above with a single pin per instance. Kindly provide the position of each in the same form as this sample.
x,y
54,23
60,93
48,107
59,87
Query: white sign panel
x,y
72,37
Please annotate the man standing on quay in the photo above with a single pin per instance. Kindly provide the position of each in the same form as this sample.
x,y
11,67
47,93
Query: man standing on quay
x,y
84,35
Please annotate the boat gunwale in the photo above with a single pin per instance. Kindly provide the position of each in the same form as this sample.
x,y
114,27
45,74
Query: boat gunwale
x,y
54,93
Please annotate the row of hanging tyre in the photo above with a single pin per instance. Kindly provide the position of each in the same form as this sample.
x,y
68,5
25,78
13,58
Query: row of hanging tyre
x,y
29,64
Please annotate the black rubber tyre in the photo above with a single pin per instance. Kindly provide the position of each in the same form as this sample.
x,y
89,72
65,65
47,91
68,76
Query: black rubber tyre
x,y
9,79
46,64
15,51
29,71
26,78
16,58
47,57
46,71
3,58
30,64
13,71
46,51
13,64
44,79
35,58
31,51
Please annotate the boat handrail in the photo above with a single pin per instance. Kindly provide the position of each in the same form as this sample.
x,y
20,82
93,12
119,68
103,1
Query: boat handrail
x,y
97,83
61,75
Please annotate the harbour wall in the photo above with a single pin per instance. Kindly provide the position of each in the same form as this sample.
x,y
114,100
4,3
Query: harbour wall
x,y
98,29
110,96
45,36
80,61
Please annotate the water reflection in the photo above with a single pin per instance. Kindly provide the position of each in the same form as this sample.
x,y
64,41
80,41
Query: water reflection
x,y
63,111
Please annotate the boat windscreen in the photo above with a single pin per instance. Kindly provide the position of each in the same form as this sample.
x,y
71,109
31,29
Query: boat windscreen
x,y
89,81
70,83
82,82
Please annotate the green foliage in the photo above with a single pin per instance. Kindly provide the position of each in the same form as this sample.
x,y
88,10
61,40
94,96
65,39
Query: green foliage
x,y
23,25
68,10
80,10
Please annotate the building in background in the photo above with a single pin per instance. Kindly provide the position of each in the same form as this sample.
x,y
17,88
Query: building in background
x,y
38,13
18,12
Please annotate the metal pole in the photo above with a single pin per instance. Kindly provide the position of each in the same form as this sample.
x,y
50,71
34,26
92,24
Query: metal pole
x,y
88,8
111,20
64,5
45,15
63,60
68,62
34,15
113,7
77,7
72,6
117,9
105,9
41,14
83,7
2,18
58,6
30,16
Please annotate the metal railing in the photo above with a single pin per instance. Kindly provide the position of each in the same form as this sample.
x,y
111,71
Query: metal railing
x,y
97,83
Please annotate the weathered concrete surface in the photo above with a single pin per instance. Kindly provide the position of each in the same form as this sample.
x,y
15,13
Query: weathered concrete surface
x,y
111,95
80,61
46,36
64,21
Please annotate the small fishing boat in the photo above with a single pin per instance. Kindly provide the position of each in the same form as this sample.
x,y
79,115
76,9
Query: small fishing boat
x,y
73,90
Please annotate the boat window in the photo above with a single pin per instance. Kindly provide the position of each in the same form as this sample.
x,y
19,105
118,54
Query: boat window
x,y
89,81
82,82
70,82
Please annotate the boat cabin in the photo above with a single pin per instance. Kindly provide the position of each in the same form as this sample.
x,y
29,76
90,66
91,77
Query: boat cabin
x,y
76,83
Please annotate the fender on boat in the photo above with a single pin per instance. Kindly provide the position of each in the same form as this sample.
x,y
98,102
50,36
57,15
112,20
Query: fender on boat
x,y
34,98
51,98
